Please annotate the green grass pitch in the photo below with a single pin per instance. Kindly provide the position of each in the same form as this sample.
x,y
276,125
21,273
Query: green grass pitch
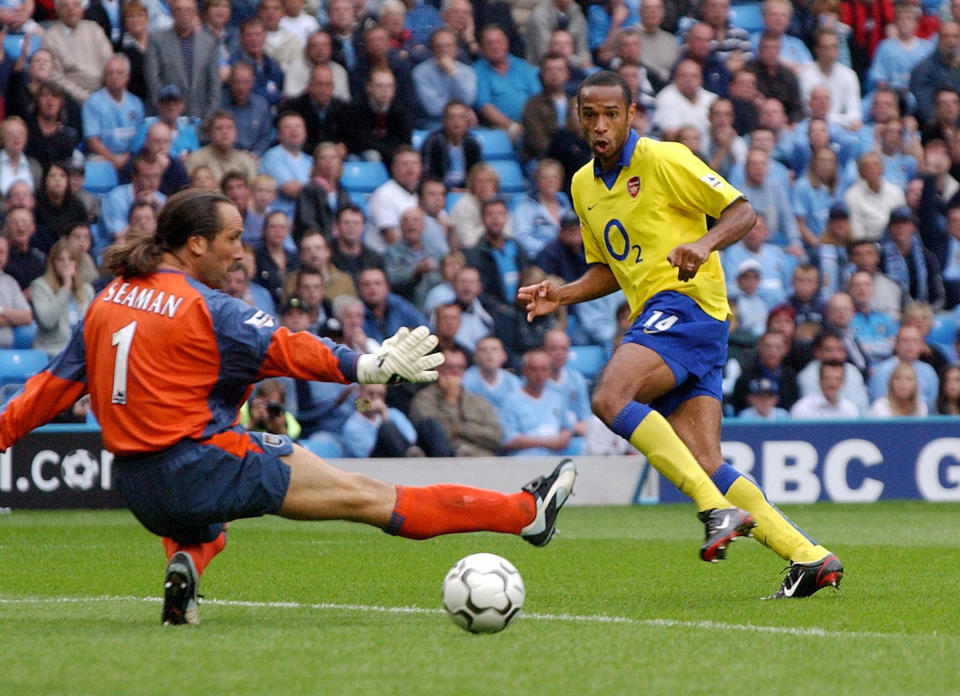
x,y
618,603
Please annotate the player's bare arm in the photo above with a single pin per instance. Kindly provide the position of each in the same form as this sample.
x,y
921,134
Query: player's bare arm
x,y
544,297
734,223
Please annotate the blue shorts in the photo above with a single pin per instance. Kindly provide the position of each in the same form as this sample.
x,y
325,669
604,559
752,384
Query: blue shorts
x,y
188,491
691,342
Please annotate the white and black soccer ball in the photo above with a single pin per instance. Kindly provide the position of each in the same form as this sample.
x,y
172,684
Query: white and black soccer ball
x,y
483,592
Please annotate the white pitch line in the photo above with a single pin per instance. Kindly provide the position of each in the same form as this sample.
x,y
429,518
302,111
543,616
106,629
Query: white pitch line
x,y
812,631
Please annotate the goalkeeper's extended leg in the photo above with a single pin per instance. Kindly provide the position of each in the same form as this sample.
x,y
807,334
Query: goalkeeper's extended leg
x,y
320,491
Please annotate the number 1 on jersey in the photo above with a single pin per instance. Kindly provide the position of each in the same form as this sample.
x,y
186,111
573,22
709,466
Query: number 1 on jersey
x,y
122,339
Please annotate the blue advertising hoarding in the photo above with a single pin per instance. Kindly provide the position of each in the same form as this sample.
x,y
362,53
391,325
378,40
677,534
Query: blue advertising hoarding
x,y
857,461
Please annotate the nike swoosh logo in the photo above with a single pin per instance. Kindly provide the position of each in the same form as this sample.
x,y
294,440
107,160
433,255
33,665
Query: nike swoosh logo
x,y
591,207
726,520
788,591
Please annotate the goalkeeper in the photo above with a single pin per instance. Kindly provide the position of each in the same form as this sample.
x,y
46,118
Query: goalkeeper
x,y
168,359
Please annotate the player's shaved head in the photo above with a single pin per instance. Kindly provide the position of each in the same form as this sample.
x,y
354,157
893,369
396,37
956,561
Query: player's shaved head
x,y
606,78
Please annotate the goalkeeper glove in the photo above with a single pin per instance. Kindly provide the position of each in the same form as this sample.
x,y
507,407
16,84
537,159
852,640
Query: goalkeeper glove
x,y
402,358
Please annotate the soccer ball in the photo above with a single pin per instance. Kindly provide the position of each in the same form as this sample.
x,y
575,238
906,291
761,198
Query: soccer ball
x,y
482,593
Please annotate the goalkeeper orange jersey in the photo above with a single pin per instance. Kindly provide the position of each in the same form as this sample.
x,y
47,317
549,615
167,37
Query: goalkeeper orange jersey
x,y
165,358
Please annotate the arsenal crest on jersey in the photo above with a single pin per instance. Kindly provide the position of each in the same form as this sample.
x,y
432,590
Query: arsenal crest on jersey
x,y
633,186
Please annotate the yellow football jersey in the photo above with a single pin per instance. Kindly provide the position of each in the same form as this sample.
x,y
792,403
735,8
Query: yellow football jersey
x,y
632,218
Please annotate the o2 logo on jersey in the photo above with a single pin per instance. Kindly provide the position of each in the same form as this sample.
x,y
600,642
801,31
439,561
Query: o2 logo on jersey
x,y
633,186
619,247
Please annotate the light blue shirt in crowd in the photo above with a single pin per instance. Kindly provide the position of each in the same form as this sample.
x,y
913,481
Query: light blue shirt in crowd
x,y
546,416
498,393
115,123
282,166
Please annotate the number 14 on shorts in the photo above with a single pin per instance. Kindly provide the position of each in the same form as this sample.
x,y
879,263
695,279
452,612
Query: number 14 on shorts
x,y
659,321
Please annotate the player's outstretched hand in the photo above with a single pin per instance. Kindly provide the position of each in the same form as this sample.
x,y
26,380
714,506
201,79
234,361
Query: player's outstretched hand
x,y
688,258
404,357
542,298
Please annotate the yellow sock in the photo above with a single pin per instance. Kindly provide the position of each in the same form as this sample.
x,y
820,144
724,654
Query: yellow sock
x,y
650,433
773,528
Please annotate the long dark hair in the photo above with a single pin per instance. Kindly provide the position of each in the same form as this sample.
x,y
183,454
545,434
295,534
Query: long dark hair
x,y
185,214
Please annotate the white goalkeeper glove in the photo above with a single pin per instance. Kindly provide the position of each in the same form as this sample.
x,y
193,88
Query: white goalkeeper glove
x,y
404,357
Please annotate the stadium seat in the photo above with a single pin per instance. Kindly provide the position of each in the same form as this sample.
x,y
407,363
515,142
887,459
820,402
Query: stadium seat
x,y
23,335
13,43
17,366
944,333
99,176
587,360
511,176
453,197
748,16
364,177
494,143
417,137
360,200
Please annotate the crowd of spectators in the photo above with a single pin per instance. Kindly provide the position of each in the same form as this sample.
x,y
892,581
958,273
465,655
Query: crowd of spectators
x,y
839,120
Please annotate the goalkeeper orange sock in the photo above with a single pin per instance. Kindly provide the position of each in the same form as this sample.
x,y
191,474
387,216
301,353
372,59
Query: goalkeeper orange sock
x,y
428,511
202,554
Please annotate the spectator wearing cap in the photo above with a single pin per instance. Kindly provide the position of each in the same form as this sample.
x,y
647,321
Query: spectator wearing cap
x,y
563,256
80,51
112,115
450,151
186,56
768,363
752,310
831,248
871,199
536,216
183,129
255,131
909,263
775,266
828,403
763,395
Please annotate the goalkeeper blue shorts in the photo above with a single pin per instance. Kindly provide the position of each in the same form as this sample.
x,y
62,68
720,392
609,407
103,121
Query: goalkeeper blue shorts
x,y
691,342
188,491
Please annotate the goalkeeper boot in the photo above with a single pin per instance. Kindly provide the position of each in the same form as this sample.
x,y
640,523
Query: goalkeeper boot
x,y
723,525
803,579
180,591
550,492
